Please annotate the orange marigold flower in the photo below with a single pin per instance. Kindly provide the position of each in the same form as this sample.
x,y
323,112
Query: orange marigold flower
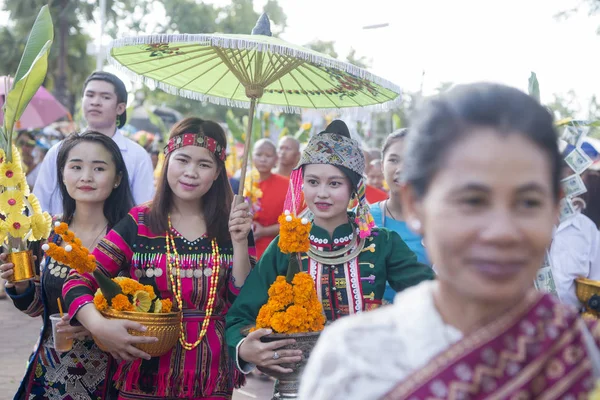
x,y
278,322
100,301
295,316
263,319
293,234
62,228
281,291
167,305
128,285
121,303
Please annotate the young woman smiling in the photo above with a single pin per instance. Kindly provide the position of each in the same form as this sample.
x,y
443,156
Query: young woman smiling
x,y
91,173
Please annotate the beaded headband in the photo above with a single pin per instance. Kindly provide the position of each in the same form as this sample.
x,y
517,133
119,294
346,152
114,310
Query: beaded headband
x,y
196,139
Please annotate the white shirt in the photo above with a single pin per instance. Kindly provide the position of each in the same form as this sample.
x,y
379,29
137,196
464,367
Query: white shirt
x,y
137,161
575,252
364,356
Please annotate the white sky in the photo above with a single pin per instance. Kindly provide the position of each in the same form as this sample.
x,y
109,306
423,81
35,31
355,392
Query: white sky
x,y
456,41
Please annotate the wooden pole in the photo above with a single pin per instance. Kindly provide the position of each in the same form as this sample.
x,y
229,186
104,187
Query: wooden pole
x,y
247,142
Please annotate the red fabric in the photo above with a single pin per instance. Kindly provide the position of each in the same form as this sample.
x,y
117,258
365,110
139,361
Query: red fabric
x,y
274,190
375,195
535,351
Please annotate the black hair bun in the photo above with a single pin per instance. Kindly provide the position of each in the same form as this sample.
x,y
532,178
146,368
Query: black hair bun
x,y
339,127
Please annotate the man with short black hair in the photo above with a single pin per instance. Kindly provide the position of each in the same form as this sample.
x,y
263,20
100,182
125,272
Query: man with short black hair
x,y
104,109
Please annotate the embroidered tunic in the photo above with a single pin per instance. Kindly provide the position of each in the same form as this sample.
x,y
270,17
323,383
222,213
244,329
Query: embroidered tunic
x,y
81,373
205,372
355,286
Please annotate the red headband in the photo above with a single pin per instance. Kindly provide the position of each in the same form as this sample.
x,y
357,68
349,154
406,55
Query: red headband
x,y
196,139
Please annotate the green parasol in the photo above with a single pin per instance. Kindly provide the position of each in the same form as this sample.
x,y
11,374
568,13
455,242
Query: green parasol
x,y
241,70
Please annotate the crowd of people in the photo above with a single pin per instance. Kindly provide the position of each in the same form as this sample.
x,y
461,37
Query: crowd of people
x,y
423,255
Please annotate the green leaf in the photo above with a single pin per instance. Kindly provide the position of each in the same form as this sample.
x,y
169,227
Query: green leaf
x,y
534,86
41,32
24,90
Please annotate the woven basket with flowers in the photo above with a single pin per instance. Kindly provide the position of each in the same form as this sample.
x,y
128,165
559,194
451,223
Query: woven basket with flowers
x,y
293,309
121,298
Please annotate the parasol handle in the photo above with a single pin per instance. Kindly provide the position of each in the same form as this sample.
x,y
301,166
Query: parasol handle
x,y
247,147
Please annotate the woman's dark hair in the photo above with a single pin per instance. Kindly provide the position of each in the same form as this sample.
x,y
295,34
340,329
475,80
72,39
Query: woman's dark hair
x,y
392,138
120,201
445,120
592,196
216,202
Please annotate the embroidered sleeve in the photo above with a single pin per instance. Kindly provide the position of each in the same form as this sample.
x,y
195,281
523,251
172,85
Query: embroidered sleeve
x,y
253,295
113,254
30,301
403,269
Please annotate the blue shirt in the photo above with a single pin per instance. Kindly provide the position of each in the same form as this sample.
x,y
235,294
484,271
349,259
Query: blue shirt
x,y
412,240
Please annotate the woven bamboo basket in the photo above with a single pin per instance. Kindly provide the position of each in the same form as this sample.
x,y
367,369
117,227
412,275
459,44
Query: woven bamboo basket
x,y
164,326
586,288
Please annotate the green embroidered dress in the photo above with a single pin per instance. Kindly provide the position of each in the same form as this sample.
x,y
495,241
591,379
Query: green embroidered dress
x,y
355,286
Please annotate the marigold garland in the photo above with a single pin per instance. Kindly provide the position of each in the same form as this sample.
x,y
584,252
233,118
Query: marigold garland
x,y
74,254
293,233
134,296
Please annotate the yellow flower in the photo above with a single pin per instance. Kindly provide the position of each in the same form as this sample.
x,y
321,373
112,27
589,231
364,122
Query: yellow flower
x,y
142,301
3,231
18,225
35,204
41,225
2,156
306,126
11,174
100,301
121,303
157,306
11,201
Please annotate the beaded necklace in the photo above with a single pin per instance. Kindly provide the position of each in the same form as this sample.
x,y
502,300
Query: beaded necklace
x,y
176,284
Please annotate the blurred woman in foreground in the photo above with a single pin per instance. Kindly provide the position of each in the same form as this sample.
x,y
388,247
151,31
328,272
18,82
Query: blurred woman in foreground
x,y
481,184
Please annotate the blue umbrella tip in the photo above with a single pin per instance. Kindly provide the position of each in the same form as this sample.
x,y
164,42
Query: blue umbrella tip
x,y
263,26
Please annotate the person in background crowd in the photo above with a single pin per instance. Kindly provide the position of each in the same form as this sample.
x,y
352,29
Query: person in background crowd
x,y
388,213
89,160
154,157
591,178
575,249
288,153
39,154
25,142
373,194
375,176
103,104
274,187
481,184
